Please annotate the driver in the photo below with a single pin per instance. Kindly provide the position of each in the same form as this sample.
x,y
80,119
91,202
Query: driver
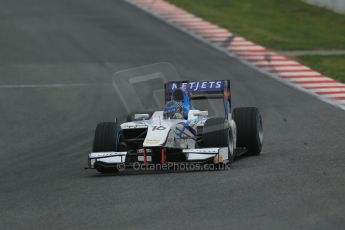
x,y
179,105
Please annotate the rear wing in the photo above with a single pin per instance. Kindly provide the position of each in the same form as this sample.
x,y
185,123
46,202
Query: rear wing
x,y
197,90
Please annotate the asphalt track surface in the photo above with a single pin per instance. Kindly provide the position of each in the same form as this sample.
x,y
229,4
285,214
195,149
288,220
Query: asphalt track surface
x,y
57,61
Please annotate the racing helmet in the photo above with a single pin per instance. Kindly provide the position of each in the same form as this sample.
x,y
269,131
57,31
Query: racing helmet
x,y
178,95
179,105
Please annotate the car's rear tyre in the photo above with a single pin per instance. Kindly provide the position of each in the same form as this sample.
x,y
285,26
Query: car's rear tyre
x,y
106,138
249,129
217,133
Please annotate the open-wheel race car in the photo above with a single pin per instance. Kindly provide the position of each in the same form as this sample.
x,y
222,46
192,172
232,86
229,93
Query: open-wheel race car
x,y
181,133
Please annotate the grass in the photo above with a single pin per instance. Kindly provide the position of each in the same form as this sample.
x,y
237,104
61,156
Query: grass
x,y
280,25
333,66
276,24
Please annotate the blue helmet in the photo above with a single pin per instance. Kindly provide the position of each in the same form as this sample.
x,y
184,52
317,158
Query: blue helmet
x,y
180,103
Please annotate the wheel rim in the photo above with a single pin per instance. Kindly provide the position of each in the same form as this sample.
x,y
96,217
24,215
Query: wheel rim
x,y
230,144
260,129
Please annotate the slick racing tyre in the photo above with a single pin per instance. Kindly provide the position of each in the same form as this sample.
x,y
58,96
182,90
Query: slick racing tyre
x,y
106,138
249,129
217,133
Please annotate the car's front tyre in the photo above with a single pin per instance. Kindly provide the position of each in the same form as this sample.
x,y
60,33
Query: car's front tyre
x,y
106,140
217,133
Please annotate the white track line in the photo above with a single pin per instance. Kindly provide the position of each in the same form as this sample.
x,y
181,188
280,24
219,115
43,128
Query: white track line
x,y
247,48
262,57
334,95
328,90
308,79
298,74
287,68
276,62
43,85
320,84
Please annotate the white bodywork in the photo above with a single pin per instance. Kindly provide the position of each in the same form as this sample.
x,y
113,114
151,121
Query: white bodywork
x,y
171,133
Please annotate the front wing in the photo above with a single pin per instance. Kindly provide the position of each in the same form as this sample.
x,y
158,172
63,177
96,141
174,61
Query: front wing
x,y
201,155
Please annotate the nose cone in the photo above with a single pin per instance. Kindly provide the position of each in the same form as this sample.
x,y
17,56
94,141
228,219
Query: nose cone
x,y
157,134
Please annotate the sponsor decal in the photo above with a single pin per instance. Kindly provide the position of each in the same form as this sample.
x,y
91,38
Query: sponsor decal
x,y
106,154
199,86
152,141
185,130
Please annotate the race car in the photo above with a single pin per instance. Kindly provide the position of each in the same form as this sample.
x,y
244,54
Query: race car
x,y
180,133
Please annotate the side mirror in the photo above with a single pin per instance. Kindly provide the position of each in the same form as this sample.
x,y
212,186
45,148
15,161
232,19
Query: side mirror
x,y
201,114
142,116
